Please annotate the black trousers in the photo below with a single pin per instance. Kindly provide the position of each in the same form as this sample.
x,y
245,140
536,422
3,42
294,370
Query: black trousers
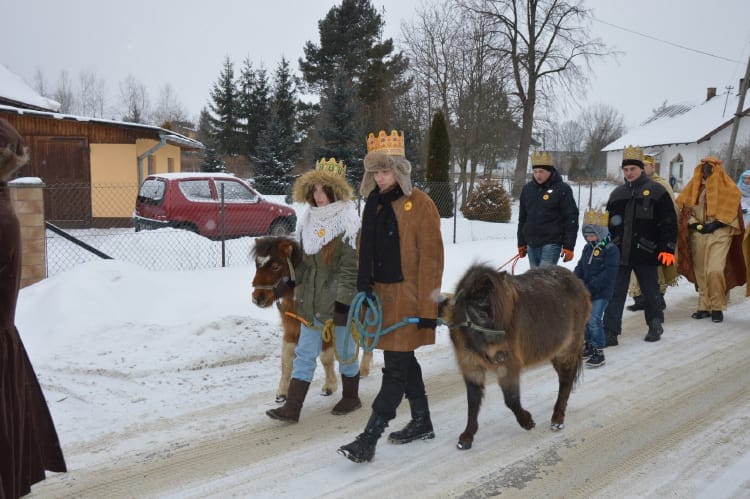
x,y
402,375
648,279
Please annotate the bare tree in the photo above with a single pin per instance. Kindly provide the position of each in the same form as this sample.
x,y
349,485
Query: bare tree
x,y
603,124
91,95
454,72
40,83
134,100
168,107
544,42
64,93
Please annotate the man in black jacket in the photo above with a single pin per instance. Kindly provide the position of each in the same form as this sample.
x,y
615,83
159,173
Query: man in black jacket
x,y
643,224
547,216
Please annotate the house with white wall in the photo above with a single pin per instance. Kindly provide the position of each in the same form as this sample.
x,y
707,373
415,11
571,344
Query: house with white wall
x,y
681,134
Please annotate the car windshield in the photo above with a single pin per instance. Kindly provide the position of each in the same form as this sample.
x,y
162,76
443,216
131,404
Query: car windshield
x,y
196,190
235,192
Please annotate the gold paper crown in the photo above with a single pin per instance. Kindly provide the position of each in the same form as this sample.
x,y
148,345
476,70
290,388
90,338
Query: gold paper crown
x,y
331,166
596,217
649,158
541,158
392,144
632,152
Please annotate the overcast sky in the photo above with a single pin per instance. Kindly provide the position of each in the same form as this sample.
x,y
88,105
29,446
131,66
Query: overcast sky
x,y
184,43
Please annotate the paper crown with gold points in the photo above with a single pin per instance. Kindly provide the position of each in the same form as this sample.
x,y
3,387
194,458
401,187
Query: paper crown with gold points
x,y
649,159
392,144
541,159
596,217
632,155
331,166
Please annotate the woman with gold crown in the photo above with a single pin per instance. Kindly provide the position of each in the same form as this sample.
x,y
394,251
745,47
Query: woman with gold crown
x,y
401,260
326,283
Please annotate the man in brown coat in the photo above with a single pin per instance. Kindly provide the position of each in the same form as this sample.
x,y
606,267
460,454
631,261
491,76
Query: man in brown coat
x,y
401,261
28,440
710,243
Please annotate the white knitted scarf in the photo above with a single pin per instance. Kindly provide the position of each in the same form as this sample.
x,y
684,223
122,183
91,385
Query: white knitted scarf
x,y
321,224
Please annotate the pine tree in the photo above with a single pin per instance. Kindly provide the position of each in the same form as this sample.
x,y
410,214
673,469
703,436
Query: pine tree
x,y
338,133
225,110
272,163
212,163
351,42
285,107
254,102
205,129
438,166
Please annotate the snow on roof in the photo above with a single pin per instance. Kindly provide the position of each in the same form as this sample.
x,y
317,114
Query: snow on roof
x,y
168,135
698,122
12,87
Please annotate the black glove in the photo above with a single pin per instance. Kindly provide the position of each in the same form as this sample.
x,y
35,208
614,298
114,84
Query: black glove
x,y
426,323
283,287
340,313
712,226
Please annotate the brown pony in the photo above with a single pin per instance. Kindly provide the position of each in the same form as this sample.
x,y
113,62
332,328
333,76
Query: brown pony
x,y
275,259
503,323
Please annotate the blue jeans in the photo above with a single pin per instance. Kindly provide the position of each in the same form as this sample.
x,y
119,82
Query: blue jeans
x,y
311,343
548,254
595,325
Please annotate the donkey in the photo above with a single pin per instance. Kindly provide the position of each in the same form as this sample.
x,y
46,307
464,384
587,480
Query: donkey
x,y
275,259
501,323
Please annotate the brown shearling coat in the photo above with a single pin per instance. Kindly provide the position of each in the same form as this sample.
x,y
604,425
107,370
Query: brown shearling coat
x,y
422,267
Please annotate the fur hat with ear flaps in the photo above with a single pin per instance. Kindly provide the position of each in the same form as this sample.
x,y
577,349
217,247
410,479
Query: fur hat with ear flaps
x,y
333,178
13,151
379,161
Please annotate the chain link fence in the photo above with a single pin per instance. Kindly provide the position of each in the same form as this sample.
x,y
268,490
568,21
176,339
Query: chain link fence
x,y
86,223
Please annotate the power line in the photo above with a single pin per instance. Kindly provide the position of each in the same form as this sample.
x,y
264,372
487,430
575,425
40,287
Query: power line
x,y
664,41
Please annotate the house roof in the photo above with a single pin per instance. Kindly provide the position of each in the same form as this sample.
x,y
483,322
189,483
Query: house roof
x,y
15,92
169,136
684,123
17,97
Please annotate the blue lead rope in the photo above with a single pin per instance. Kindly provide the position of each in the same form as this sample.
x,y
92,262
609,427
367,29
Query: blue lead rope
x,y
372,319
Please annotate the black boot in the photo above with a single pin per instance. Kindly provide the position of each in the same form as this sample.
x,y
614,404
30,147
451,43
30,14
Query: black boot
x,y
296,394
610,338
654,330
349,396
420,426
638,304
363,447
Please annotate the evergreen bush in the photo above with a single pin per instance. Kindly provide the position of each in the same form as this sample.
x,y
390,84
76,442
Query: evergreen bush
x,y
488,202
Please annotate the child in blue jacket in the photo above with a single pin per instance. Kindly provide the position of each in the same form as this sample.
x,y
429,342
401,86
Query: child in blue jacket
x,y
597,268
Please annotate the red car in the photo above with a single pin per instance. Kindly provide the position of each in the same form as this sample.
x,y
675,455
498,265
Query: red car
x,y
192,201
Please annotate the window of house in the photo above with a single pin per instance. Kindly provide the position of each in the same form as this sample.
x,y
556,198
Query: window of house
x,y
151,165
170,165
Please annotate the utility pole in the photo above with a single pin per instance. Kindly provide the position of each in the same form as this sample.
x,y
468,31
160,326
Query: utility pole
x,y
737,118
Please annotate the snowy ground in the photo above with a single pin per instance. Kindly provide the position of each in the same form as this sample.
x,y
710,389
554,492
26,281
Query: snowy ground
x,y
158,382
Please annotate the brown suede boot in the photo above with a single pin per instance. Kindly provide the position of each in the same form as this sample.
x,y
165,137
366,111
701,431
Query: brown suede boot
x,y
295,396
350,396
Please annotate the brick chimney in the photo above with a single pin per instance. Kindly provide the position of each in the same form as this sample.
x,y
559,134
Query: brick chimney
x,y
710,93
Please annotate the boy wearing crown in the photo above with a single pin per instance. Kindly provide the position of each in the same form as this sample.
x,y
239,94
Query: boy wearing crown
x,y
326,283
400,261
597,268
547,215
643,225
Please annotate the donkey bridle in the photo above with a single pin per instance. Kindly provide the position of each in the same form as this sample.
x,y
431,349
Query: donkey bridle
x,y
280,279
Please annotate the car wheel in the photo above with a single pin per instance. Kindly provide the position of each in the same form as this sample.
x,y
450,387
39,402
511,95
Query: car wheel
x,y
279,227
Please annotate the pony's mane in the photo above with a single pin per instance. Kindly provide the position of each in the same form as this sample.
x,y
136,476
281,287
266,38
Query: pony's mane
x,y
268,246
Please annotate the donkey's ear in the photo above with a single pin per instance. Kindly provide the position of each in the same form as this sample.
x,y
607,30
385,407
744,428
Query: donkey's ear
x,y
286,248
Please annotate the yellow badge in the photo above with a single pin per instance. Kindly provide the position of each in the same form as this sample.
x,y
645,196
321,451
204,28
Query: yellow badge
x,y
646,192
596,252
321,233
545,197
407,206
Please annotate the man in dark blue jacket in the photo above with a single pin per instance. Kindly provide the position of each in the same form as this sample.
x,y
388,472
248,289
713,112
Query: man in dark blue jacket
x,y
643,224
547,215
